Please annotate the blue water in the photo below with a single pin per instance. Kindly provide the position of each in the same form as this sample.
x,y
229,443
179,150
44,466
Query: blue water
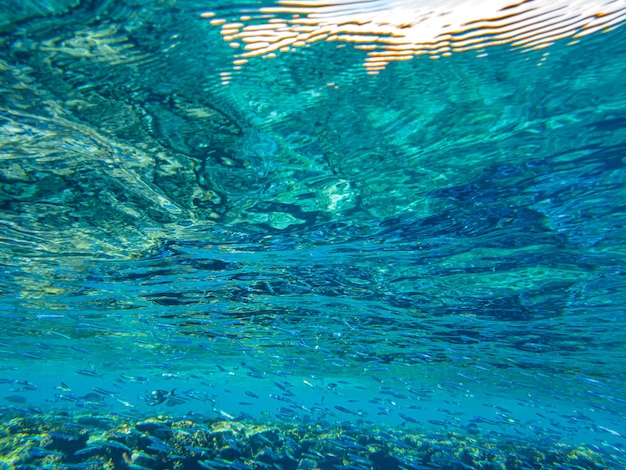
x,y
434,248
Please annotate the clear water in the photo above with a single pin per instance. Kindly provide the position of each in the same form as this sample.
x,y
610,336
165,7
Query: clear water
x,y
435,249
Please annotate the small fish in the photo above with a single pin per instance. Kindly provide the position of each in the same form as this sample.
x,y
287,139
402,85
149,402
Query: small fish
x,y
225,415
367,463
63,387
15,399
480,419
91,372
38,452
253,371
611,431
52,332
115,444
407,418
66,397
160,446
278,397
284,389
255,375
91,397
437,422
156,397
344,410
88,450
102,391
26,385
130,378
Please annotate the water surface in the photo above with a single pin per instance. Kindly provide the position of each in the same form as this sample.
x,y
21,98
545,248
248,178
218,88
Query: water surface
x,y
424,242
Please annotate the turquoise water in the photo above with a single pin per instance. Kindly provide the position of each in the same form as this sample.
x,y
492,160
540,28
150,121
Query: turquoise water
x,y
350,261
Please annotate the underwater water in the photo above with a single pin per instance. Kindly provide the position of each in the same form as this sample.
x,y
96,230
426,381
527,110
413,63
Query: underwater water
x,y
364,235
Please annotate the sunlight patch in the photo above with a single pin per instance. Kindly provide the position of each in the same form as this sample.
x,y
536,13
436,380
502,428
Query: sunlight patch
x,y
398,30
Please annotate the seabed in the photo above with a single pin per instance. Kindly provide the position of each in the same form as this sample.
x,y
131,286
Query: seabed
x,y
32,440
